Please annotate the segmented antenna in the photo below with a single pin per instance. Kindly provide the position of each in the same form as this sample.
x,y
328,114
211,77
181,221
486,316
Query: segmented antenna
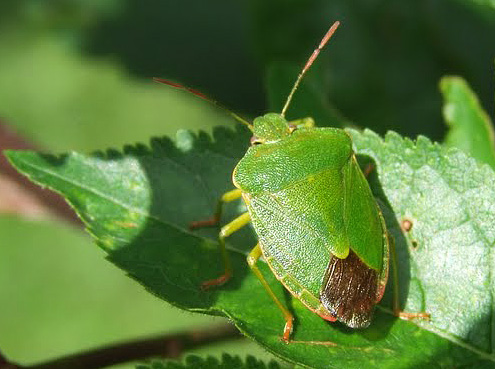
x,y
310,61
206,98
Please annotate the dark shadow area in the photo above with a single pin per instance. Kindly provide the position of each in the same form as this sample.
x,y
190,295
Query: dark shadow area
x,y
380,71
204,45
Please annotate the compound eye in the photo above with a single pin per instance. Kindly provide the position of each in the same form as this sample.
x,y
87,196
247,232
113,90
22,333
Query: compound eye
x,y
255,141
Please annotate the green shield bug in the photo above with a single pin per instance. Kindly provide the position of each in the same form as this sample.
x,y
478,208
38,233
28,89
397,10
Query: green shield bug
x,y
319,227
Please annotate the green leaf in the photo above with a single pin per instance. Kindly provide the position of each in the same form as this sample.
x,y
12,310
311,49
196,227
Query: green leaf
x,y
471,129
196,362
450,201
137,205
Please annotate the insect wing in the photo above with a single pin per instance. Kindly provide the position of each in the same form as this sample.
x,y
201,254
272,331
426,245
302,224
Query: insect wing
x,y
350,290
353,285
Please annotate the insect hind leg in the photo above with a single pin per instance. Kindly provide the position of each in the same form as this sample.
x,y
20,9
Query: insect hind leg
x,y
252,259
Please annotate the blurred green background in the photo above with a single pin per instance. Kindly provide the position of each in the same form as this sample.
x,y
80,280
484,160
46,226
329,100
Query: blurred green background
x,y
76,75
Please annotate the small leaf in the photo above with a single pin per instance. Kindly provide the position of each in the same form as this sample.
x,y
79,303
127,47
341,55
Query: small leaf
x,y
196,362
138,204
470,127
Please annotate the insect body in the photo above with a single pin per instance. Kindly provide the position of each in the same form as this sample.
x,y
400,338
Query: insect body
x,y
319,227
318,224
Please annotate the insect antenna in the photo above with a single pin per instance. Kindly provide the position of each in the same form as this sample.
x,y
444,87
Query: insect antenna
x,y
206,98
308,64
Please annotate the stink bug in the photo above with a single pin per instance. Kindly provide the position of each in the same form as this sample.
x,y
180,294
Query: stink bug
x,y
319,227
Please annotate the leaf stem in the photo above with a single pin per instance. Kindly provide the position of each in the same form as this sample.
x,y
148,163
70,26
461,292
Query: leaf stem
x,y
166,346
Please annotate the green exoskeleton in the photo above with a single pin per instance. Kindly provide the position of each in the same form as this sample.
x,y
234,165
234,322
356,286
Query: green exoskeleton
x,y
319,227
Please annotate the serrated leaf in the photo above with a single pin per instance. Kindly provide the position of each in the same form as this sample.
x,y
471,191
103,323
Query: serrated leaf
x,y
449,200
470,127
196,362
138,204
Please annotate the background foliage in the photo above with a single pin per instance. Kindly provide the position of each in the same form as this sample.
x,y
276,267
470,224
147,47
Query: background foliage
x,y
76,75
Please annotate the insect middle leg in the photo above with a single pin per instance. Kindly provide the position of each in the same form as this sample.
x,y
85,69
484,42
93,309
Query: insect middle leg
x,y
226,231
252,258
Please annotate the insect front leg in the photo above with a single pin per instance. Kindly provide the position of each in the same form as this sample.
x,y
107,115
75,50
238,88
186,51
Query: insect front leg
x,y
252,258
213,221
226,231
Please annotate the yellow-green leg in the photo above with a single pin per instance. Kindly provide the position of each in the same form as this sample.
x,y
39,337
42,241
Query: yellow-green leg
x,y
307,122
226,231
213,221
252,258
397,309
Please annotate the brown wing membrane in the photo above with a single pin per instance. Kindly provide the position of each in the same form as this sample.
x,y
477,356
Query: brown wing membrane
x,y
350,290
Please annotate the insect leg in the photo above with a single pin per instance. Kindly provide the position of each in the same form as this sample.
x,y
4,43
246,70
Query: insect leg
x,y
252,258
368,169
213,221
303,123
397,310
226,231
